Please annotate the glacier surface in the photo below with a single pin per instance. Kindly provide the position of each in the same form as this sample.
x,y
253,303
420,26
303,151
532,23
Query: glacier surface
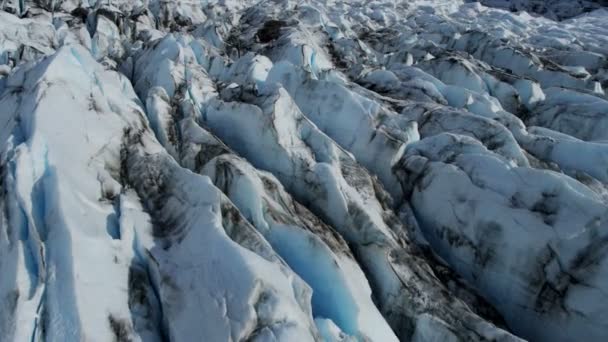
x,y
318,170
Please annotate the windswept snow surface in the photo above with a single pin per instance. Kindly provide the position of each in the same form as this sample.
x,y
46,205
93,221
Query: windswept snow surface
x,y
317,170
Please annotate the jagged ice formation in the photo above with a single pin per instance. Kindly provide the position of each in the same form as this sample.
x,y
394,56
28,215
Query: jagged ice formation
x,y
314,170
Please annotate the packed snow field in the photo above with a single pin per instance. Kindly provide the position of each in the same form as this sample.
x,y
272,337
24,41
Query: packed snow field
x,y
315,170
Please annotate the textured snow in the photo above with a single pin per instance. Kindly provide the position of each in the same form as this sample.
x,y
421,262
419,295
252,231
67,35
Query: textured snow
x,y
316,170
71,204
340,290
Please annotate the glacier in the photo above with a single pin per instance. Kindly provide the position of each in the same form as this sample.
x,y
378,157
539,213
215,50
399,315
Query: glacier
x,y
315,170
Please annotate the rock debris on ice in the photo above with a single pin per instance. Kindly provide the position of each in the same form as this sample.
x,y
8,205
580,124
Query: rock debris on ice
x,y
317,170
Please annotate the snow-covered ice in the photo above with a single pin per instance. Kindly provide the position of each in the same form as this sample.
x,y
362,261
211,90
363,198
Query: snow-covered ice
x,y
317,170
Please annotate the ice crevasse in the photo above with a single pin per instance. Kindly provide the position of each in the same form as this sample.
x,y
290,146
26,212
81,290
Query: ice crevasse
x,y
315,170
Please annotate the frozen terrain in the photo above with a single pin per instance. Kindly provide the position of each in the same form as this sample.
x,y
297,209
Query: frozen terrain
x,y
314,170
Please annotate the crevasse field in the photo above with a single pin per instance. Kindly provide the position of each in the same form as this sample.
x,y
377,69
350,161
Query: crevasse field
x,y
303,170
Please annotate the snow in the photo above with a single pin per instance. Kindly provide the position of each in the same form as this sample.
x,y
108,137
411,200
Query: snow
x,y
562,107
340,291
571,154
324,177
59,196
24,39
62,210
237,303
427,170
547,215
373,134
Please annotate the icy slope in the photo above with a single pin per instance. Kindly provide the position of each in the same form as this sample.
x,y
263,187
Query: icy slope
x,y
315,170
554,9
72,210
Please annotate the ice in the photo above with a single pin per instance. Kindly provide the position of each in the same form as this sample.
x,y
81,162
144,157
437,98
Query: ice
x,y
324,177
571,154
563,107
252,295
551,8
542,212
373,134
24,39
71,204
61,208
425,170
311,249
